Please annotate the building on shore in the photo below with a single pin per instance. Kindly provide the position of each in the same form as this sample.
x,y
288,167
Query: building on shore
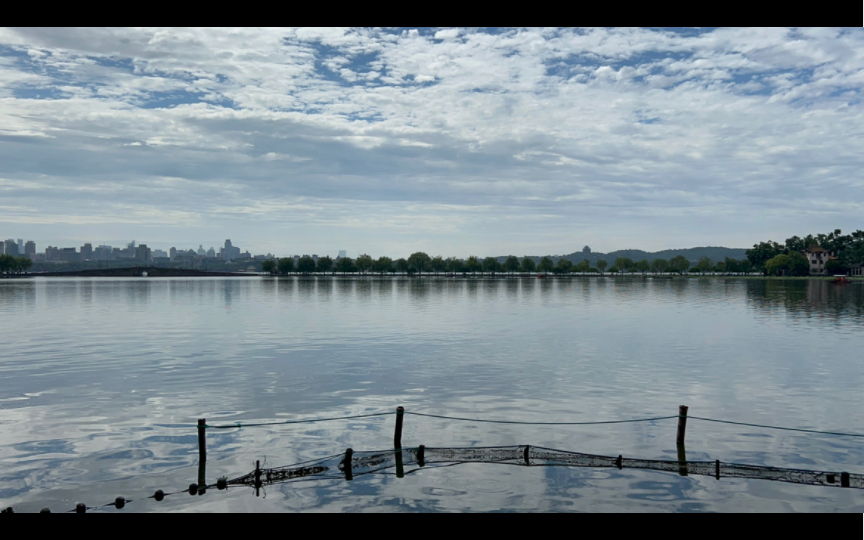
x,y
30,249
818,257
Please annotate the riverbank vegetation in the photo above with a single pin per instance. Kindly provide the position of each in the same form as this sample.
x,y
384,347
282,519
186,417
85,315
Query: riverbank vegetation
x,y
10,264
775,259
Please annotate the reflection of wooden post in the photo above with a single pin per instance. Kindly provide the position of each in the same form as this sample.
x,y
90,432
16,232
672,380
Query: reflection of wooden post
x,y
682,423
682,460
397,438
349,455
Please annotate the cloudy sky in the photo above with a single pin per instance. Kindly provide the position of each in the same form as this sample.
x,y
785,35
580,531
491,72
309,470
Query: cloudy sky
x,y
451,141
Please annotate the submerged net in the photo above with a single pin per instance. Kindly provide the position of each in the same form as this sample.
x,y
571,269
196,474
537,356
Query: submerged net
x,y
351,465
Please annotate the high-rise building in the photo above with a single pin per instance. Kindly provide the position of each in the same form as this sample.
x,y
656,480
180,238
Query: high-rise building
x,y
11,247
142,253
103,253
211,253
172,254
342,253
2,248
201,252
20,247
315,258
86,252
68,254
30,249
229,252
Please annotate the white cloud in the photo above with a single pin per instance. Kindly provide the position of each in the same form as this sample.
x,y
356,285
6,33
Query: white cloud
x,y
557,129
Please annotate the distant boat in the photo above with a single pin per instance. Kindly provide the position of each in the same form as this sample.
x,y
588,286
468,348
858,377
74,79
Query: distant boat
x,y
840,280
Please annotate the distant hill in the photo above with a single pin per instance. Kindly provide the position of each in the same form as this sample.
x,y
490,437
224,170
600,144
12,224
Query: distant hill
x,y
716,254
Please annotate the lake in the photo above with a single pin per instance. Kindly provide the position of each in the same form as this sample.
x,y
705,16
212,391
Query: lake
x,y
103,381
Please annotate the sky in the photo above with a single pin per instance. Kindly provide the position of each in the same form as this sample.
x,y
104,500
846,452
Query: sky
x,y
455,142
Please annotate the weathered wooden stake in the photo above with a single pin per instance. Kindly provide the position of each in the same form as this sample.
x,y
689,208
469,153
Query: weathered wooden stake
x,y
349,455
844,479
619,462
682,460
257,478
202,451
682,423
397,438
421,456
525,456
400,466
202,441
717,469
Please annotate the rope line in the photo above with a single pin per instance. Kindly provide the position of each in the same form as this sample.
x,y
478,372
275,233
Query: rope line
x,y
284,422
541,423
239,425
836,433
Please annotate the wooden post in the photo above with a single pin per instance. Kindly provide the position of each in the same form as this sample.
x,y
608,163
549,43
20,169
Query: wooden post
x,y
682,460
526,457
844,479
682,423
202,441
257,478
397,438
400,466
717,469
619,462
202,451
421,456
349,455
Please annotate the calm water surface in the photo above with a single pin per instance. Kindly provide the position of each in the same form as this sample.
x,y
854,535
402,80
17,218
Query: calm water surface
x,y
103,380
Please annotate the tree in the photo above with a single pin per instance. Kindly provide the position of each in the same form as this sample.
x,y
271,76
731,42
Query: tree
x,y
286,265
643,266
473,264
601,265
624,264
402,266
720,267
777,265
704,265
565,266
383,264
306,264
268,266
419,261
491,264
363,262
345,265
25,263
659,265
679,263
325,264
455,265
546,265
511,264
761,252
528,264
583,266
438,264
